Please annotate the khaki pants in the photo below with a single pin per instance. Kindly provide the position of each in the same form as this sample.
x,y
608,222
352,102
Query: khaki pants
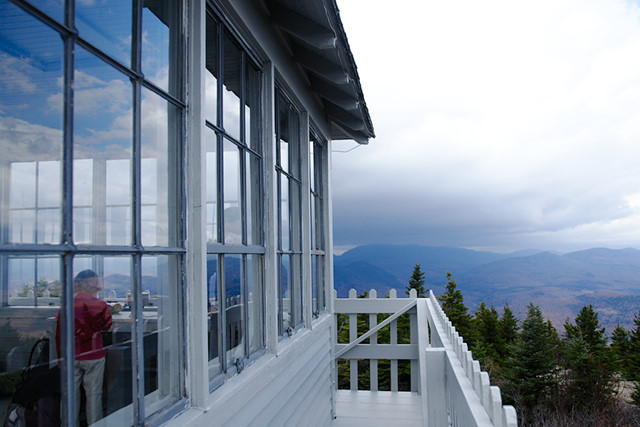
x,y
90,373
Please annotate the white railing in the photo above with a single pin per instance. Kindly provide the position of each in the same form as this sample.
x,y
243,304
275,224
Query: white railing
x,y
455,391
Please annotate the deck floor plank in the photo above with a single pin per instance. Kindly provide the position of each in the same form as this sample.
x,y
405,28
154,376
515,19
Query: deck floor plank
x,y
377,408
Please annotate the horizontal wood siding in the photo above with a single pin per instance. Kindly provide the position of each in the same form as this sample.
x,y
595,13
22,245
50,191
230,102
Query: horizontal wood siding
x,y
292,388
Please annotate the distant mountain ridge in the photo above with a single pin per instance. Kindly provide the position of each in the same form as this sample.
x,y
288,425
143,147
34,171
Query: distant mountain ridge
x,y
560,283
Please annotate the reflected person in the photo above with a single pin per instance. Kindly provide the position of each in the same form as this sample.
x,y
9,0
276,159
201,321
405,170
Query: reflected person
x,y
92,316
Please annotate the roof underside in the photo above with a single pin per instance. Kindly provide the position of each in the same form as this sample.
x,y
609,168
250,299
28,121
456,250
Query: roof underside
x,y
313,31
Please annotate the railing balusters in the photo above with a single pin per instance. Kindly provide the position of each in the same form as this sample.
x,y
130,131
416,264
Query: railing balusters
x,y
456,391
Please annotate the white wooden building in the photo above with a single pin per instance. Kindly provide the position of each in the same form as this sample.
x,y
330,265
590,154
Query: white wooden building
x,y
181,150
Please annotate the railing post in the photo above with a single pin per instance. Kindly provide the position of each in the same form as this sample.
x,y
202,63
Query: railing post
x,y
435,396
393,333
353,335
413,330
373,340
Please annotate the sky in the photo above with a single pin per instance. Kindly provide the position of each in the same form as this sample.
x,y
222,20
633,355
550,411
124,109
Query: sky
x,y
500,125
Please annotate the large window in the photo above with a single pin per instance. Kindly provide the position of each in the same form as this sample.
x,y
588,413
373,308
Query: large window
x,y
91,192
235,248
317,156
289,197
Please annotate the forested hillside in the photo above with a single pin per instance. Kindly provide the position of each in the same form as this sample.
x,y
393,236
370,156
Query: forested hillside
x,y
560,284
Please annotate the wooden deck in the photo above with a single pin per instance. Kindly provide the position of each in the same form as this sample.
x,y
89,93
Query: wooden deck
x,y
377,408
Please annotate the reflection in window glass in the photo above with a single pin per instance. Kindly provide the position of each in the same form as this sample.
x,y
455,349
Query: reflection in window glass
x,y
53,8
158,164
32,280
83,201
118,207
233,203
211,72
316,174
103,293
103,135
296,289
156,42
162,340
284,274
232,218
33,93
253,205
289,214
234,308
231,91
211,162
213,310
30,130
255,300
252,109
284,213
107,25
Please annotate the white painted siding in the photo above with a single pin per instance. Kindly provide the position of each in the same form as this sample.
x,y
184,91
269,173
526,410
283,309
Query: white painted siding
x,y
291,388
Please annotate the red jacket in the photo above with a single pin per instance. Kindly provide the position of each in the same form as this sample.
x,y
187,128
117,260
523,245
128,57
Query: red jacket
x,y
91,317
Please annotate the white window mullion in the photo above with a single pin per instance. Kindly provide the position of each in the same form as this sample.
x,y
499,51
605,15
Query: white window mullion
x,y
307,283
270,213
196,259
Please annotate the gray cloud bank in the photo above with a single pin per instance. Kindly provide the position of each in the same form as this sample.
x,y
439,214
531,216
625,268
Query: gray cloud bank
x,y
501,125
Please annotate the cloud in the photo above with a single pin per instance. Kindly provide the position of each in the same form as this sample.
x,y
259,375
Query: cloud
x,y
499,123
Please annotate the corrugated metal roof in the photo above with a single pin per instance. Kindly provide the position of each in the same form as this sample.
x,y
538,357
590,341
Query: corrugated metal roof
x,y
319,44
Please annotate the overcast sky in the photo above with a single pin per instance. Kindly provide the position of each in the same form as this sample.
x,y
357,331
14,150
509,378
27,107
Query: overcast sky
x,y
501,125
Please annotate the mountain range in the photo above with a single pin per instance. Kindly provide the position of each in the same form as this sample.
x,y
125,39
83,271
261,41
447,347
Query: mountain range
x,y
561,284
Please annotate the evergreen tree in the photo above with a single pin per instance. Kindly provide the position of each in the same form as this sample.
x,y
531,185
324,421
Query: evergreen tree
x,y
620,347
589,361
531,375
487,331
488,347
417,282
508,326
453,306
633,359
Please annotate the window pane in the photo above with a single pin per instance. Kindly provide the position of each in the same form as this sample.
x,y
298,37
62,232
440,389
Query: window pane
x,y
117,293
107,25
211,185
103,135
296,289
255,301
160,169
30,127
253,199
83,200
160,32
232,88
118,207
252,110
21,328
314,285
284,213
295,216
234,308
211,73
294,143
162,339
34,281
213,308
232,217
286,321
54,8
283,133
